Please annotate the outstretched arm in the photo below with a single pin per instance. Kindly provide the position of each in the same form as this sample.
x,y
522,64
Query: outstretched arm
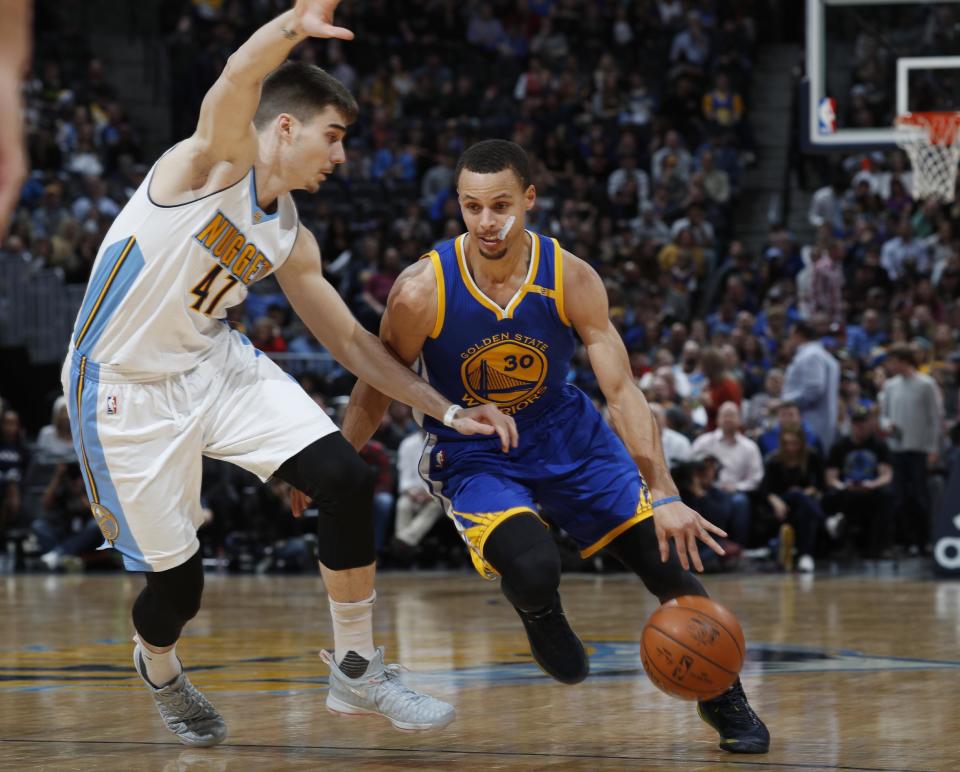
x,y
225,134
328,318
404,326
630,415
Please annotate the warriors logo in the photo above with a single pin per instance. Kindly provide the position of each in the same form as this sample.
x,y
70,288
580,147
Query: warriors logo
x,y
504,374
109,526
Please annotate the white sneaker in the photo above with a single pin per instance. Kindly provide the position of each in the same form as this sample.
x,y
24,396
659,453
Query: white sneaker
x,y
805,564
184,710
380,692
834,524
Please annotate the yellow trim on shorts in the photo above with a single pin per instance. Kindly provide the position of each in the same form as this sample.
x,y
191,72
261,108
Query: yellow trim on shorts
x,y
644,510
94,494
441,293
558,281
486,522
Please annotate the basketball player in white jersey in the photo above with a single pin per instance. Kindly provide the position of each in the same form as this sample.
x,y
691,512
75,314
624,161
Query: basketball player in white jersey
x,y
155,378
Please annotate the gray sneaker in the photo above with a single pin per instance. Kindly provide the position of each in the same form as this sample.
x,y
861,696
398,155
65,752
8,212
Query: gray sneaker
x,y
185,711
380,692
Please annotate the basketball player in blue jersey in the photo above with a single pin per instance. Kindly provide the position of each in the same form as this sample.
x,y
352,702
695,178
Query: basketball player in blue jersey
x,y
156,379
489,318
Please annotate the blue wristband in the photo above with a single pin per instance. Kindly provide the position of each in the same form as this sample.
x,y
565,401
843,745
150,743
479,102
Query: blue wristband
x,y
665,500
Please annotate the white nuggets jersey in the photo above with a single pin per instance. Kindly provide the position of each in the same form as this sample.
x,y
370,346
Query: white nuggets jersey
x,y
165,276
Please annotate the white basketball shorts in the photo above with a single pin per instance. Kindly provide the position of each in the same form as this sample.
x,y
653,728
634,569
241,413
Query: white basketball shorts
x,y
140,442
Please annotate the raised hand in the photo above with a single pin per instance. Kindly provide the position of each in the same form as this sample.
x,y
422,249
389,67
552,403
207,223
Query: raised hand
x,y
678,522
315,18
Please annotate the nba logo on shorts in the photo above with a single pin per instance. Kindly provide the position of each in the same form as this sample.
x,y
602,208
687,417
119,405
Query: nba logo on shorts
x,y
112,404
827,116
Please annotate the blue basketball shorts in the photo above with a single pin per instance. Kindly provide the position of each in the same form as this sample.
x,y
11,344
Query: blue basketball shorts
x,y
570,469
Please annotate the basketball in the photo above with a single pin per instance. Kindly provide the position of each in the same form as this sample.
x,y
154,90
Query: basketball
x,y
692,648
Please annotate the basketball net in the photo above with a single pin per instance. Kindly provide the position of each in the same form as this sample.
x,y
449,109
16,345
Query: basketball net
x,y
932,142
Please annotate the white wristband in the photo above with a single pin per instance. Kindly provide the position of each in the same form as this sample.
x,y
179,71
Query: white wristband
x,y
451,414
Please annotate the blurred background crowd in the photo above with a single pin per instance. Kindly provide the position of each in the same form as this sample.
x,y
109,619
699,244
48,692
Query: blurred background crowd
x,y
806,388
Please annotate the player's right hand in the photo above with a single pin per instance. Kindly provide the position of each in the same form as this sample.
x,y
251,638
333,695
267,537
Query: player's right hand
x,y
316,19
486,419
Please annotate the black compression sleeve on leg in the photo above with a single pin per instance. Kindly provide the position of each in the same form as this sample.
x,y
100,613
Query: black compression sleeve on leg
x,y
638,550
170,600
332,473
525,555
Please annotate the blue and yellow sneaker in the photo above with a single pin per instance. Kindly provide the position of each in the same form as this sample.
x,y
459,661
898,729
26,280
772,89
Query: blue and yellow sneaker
x,y
740,729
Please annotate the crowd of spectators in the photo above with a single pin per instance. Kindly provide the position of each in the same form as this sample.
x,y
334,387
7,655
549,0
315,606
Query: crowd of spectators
x,y
796,387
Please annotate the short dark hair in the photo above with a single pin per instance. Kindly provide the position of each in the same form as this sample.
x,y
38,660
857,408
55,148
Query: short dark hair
x,y
302,90
788,405
805,330
904,352
495,155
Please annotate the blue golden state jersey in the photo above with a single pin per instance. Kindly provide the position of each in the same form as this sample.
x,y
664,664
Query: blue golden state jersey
x,y
516,357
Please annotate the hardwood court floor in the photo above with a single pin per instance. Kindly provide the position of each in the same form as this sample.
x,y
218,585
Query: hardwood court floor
x,y
853,673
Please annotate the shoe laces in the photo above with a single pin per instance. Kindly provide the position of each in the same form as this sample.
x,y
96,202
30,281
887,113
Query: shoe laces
x,y
391,675
734,706
390,672
188,703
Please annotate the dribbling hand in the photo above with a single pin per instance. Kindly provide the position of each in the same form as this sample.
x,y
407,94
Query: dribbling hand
x,y
316,19
678,522
486,419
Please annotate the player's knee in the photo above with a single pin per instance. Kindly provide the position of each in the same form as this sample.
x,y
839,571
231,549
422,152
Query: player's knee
x,y
332,473
524,554
531,577
187,604
355,480
170,600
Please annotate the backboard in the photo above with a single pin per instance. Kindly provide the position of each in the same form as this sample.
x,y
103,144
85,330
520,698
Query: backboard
x,y
868,61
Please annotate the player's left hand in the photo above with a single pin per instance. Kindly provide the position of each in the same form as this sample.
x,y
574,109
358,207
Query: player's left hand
x,y
316,19
486,419
678,522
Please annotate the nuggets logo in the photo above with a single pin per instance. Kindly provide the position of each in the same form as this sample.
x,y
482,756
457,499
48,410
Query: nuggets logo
x,y
109,526
506,374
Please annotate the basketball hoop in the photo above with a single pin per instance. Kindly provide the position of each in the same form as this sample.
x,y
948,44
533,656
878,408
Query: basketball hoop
x,y
932,140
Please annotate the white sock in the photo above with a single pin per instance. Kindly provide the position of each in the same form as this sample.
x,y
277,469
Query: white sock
x,y
353,628
161,668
